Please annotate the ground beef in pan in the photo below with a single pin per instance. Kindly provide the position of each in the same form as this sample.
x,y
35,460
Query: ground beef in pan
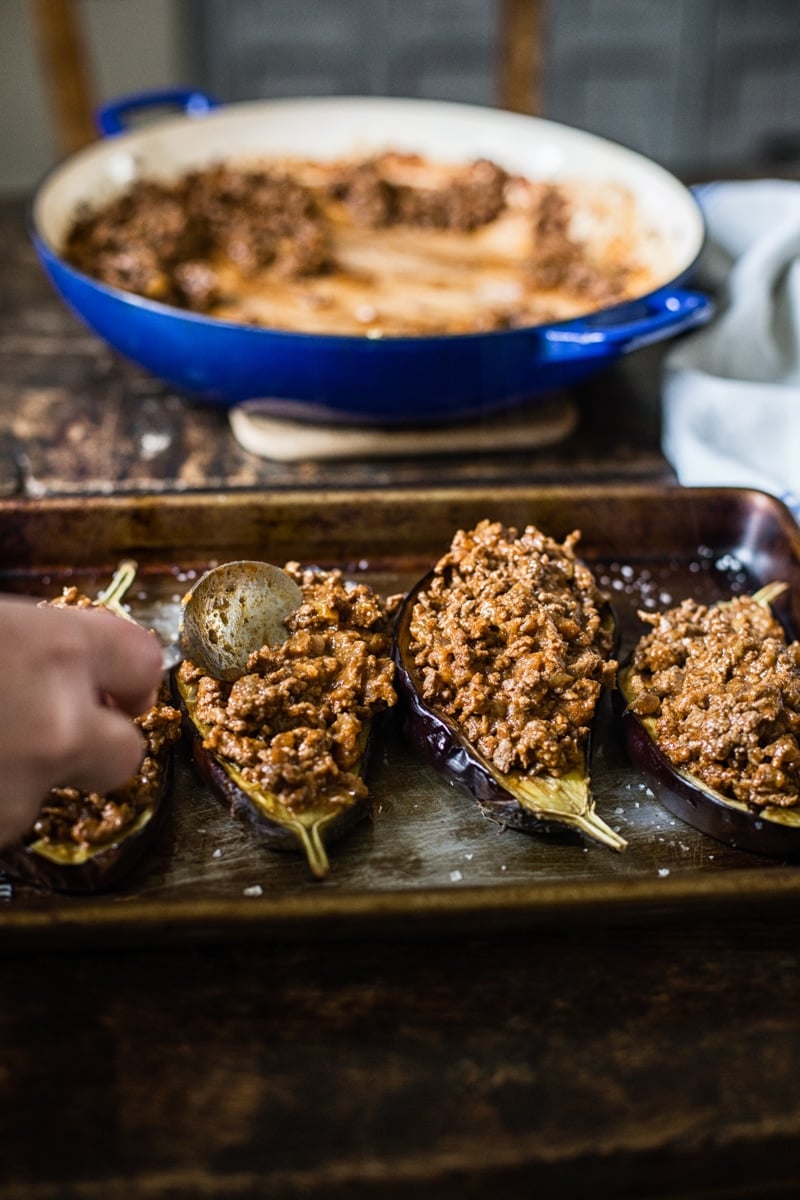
x,y
474,199
388,245
162,240
508,641
560,260
723,687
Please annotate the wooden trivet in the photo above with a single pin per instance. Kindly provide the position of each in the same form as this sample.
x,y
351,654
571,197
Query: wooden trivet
x,y
536,424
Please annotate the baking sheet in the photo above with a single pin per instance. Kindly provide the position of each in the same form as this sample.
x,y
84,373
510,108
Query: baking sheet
x,y
427,861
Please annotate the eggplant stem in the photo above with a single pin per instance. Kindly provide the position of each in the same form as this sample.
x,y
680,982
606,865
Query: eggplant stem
x,y
765,595
310,837
566,801
111,597
596,828
770,592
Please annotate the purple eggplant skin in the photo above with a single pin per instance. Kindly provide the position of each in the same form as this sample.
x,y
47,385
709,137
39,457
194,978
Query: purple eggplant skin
x,y
242,807
690,802
441,744
105,869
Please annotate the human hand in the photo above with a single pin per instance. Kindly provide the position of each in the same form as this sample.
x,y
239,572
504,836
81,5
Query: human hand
x,y
70,681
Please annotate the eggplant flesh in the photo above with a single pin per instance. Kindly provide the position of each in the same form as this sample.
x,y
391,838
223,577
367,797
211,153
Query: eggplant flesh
x,y
531,803
770,830
262,811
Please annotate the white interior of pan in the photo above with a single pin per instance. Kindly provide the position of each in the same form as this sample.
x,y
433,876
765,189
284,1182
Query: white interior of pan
x,y
327,128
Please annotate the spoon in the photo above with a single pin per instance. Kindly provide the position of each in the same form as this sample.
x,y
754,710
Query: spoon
x,y
232,610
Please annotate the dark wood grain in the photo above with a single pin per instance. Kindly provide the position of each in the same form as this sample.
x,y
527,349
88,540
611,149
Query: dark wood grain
x,y
645,1061
631,1065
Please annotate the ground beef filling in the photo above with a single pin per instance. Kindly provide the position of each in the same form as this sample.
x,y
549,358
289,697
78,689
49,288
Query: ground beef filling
x,y
723,687
89,819
509,642
295,722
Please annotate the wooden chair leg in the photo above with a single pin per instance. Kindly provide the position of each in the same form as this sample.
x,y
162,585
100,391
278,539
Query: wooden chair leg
x,y
521,55
64,63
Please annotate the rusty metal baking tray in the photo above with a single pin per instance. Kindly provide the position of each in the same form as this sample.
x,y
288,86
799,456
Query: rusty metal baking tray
x,y
426,862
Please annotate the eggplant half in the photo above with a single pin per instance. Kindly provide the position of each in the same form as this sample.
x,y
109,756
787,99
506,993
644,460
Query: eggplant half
x,y
85,842
59,855
286,744
763,828
534,802
264,812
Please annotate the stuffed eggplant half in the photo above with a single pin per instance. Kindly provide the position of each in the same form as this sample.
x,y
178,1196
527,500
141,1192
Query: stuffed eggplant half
x,y
84,842
285,745
503,651
711,705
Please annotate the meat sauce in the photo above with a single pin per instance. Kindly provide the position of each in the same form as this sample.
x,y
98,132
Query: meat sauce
x,y
387,246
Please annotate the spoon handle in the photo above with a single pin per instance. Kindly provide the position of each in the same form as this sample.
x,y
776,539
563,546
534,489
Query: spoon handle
x,y
171,656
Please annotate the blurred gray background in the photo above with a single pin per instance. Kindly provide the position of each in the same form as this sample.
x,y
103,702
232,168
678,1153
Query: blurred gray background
x,y
702,86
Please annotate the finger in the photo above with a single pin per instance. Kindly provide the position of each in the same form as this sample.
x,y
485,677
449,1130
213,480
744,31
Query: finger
x,y
110,755
19,806
125,660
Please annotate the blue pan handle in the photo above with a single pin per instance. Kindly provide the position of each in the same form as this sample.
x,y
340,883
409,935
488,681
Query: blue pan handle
x,y
663,314
111,118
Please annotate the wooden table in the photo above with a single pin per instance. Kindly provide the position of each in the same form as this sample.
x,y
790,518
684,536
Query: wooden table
x,y
657,1060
